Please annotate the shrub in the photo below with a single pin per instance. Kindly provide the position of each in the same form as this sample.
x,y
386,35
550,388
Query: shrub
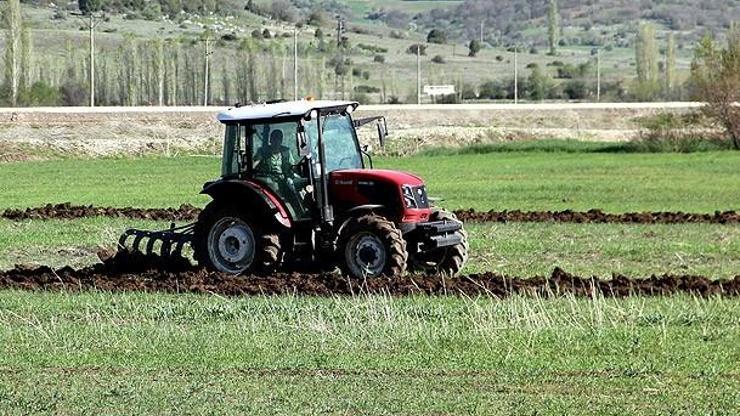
x,y
437,36
393,99
493,90
671,132
473,48
40,94
575,89
413,48
379,59
438,59
367,89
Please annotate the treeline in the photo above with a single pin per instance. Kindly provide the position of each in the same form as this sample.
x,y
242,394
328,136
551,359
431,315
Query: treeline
x,y
159,72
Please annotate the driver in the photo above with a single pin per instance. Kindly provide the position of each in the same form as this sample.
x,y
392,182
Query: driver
x,y
274,166
274,159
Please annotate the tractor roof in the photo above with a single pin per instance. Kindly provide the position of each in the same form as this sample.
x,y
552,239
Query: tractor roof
x,y
279,110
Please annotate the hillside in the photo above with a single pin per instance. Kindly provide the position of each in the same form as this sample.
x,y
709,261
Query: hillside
x,y
251,49
513,20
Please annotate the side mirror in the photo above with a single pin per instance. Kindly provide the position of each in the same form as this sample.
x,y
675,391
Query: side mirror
x,y
382,131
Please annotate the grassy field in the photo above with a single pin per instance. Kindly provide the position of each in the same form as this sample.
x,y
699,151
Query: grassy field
x,y
154,354
149,353
517,249
529,180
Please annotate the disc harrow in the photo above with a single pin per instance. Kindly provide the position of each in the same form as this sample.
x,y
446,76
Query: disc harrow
x,y
168,243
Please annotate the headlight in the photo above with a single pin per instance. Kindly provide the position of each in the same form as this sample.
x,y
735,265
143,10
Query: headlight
x,y
408,196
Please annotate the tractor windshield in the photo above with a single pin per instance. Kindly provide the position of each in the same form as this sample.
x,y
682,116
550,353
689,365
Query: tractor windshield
x,y
340,143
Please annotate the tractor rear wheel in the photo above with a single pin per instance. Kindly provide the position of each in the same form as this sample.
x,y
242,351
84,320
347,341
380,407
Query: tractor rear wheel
x,y
446,261
228,240
372,246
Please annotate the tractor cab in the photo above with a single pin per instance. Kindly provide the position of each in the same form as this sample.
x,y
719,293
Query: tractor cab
x,y
302,151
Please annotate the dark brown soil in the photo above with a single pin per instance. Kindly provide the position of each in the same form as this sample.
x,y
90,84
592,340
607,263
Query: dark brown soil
x,y
188,212
598,216
185,212
136,272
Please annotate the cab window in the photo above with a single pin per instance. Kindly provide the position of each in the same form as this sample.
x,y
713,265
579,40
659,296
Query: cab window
x,y
340,143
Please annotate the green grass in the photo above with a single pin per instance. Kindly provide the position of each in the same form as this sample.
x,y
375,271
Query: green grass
x,y
85,353
137,353
528,180
517,249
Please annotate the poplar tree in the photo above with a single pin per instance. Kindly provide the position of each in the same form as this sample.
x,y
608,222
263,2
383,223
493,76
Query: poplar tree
x,y
159,67
670,65
646,59
26,58
13,24
553,26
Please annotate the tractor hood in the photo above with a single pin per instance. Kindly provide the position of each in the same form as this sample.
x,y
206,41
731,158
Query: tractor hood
x,y
379,175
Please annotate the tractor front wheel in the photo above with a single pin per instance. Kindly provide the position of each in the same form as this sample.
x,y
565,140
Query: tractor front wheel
x,y
229,241
372,246
446,261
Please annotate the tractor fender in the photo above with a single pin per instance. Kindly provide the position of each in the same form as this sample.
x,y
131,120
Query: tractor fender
x,y
356,212
250,194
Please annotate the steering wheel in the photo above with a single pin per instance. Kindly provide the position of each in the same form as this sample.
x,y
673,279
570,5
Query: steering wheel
x,y
298,167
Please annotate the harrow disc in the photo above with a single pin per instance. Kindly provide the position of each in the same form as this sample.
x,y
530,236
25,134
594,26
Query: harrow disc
x,y
170,241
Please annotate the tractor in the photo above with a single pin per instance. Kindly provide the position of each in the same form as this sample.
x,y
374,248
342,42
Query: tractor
x,y
297,189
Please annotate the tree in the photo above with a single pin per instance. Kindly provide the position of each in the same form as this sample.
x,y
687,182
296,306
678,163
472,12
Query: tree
x,y
473,48
13,23
553,26
646,58
715,75
317,17
417,48
539,84
437,36
670,65
89,6
283,10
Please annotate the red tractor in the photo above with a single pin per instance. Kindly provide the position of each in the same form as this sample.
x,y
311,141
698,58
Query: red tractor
x,y
295,189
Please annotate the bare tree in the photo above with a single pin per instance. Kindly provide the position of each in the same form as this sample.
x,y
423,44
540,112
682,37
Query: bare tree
x,y
670,65
715,73
13,24
553,26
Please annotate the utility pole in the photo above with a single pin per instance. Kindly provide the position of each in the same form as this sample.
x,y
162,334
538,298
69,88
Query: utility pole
x,y
598,75
295,64
91,22
92,61
516,74
205,72
340,30
418,73
482,23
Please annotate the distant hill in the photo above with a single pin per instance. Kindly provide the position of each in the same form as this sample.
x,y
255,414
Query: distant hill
x,y
508,20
